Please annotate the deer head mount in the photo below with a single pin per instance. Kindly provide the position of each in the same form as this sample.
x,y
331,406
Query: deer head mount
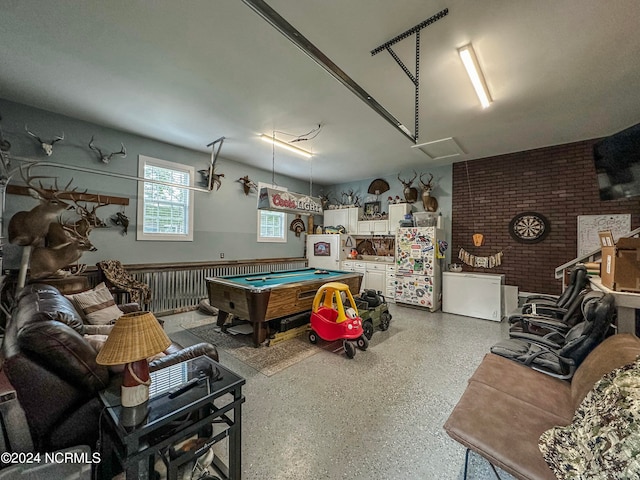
x,y
410,193
247,184
429,203
47,147
65,242
324,199
46,261
88,218
106,157
30,227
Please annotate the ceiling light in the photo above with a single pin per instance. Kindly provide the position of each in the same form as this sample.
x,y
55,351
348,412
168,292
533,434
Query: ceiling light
x,y
470,62
280,143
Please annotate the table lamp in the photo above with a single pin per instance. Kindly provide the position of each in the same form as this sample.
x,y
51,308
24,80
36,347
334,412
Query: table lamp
x,y
134,337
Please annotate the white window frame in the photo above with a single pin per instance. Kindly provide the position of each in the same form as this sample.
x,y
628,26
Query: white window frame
x,y
283,238
170,237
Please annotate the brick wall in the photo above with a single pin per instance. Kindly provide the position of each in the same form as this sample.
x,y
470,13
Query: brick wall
x,y
558,182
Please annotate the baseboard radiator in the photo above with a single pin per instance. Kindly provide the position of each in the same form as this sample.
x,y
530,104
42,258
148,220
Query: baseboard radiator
x,y
179,287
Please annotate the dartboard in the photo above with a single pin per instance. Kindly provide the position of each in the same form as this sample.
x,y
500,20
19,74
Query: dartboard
x,y
529,227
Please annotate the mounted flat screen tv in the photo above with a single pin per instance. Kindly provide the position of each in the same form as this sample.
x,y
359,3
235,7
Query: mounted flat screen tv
x,y
617,161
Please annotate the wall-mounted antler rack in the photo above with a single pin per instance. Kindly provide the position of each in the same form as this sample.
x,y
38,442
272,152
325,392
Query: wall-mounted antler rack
x,y
81,197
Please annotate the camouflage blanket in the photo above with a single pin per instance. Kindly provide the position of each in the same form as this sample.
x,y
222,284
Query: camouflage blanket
x,y
603,440
117,276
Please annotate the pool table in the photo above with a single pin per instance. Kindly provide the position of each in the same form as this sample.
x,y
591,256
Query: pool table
x,y
260,297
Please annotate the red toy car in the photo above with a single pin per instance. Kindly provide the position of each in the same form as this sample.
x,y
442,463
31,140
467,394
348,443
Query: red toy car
x,y
331,321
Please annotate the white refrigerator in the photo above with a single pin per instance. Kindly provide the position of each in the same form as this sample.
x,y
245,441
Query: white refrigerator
x,y
418,280
327,250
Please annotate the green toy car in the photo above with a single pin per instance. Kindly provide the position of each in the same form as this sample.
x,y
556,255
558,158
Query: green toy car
x,y
373,309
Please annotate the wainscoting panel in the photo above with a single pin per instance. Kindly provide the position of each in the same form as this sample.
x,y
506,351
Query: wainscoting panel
x,y
179,287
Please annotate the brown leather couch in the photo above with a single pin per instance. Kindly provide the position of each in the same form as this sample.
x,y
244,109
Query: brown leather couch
x,y
507,406
53,369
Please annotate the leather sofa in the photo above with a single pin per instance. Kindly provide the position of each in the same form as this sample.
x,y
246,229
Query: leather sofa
x,y
506,406
53,369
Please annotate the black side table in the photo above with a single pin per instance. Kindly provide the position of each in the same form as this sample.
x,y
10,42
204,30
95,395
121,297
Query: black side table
x,y
212,408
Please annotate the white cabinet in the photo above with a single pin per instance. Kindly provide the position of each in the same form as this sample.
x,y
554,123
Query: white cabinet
x,y
376,276
390,287
397,211
347,217
347,265
369,227
362,268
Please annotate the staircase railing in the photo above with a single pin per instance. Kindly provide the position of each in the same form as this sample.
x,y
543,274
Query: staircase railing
x,y
589,257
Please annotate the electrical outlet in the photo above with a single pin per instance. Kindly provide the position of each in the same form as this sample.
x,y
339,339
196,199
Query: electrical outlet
x,y
222,255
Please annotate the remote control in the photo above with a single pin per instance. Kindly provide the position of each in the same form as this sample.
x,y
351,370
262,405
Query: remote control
x,y
173,393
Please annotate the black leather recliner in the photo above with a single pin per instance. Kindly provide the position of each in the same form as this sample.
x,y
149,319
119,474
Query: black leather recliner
x,y
571,316
559,354
53,369
552,305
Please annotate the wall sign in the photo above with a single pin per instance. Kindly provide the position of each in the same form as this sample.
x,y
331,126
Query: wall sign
x,y
281,201
322,249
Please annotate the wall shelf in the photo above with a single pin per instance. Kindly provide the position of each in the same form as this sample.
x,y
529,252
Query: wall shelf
x,y
82,197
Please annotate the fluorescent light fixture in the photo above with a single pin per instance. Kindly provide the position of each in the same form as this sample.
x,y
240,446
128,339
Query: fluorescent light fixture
x,y
280,143
470,62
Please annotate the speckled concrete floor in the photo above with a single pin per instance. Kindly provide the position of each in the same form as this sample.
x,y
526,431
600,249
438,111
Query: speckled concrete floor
x,y
378,416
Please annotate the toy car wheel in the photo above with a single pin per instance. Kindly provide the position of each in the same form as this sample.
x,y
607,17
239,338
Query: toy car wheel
x,y
385,319
349,349
367,328
313,337
362,342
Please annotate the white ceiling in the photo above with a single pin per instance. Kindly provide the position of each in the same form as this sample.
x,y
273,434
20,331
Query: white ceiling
x,y
190,72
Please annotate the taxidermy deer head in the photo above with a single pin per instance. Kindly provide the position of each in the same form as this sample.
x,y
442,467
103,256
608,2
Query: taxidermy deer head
x,y
30,227
106,157
48,260
324,199
47,147
429,203
410,193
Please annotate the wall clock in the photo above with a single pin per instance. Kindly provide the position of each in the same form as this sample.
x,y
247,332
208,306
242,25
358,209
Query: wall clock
x,y
529,227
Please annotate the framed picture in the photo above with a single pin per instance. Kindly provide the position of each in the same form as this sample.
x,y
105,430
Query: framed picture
x,y
322,249
371,208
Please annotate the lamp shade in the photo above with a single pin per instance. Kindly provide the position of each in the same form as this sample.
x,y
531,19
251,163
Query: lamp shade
x,y
135,336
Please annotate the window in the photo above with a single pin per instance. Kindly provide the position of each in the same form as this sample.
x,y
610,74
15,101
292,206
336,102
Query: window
x,y
165,212
271,225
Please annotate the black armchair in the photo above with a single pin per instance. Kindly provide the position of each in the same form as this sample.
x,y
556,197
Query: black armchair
x,y
542,304
565,317
559,354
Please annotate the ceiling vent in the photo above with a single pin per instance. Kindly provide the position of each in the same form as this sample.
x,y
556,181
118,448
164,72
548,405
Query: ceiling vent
x,y
443,148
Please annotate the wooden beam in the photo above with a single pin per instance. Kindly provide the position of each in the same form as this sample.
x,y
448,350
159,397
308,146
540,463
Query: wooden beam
x,y
81,197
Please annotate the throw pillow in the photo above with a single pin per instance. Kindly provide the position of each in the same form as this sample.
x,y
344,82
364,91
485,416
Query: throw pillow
x,y
96,341
97,305
603,440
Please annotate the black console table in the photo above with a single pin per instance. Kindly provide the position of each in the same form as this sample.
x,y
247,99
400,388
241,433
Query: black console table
x,y
212,409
